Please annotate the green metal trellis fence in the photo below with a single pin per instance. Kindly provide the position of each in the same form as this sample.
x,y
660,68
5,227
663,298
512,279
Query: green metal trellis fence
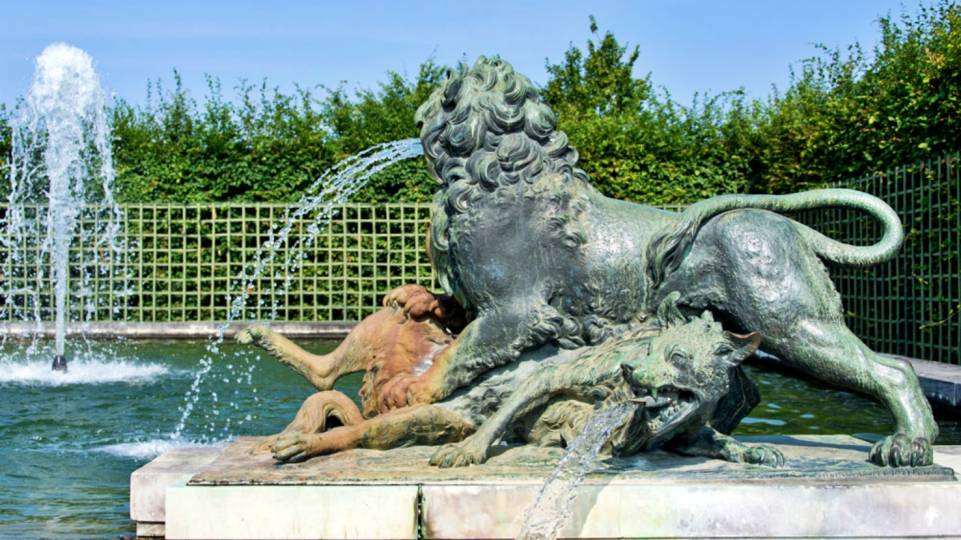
x,y
909,305
183,262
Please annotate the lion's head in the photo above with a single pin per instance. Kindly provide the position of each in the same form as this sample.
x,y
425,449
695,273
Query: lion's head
x,y
486,128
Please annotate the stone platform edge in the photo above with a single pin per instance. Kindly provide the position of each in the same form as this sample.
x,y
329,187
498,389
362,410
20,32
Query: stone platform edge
x,y
602,509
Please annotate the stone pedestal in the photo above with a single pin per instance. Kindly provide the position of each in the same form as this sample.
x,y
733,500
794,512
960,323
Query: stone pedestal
x,y
148,485
827,489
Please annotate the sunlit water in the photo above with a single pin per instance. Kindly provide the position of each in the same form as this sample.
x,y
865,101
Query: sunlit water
x,y
68,442
67,447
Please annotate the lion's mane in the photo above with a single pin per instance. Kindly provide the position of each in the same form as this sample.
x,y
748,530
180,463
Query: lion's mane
x,y
486,130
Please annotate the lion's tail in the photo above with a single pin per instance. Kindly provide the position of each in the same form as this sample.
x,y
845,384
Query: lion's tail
x,y
668,248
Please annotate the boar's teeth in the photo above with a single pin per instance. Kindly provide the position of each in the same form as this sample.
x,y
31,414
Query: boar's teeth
x,y
646,401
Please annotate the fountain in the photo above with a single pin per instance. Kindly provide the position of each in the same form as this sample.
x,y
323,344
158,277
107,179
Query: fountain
x,y
61,156
62,159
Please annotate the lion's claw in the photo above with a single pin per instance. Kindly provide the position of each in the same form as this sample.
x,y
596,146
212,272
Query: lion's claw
x,y
764,455
394,394
254,334
899,450
415,300
291,447
458,455
400,295
402,390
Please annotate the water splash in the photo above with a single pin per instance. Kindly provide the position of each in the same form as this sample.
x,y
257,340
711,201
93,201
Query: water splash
x,y
83,371
317,208
146,450
61,157
550,510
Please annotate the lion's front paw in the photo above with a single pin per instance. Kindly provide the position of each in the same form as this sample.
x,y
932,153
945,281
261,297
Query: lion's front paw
x,y
415,300
399,295
459,455
254,334
292,447
406,389
899,450
393,395
762,454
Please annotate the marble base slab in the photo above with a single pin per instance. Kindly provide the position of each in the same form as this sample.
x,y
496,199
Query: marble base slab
x,y
263,512
630,509
148,485
827,489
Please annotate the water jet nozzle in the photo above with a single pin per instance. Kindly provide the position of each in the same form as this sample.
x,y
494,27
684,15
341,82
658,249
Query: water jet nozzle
x,y
59,363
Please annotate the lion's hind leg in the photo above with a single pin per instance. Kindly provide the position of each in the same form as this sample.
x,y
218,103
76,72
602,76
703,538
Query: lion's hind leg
x,y
320,370
320,412
409,426
832,353
756,270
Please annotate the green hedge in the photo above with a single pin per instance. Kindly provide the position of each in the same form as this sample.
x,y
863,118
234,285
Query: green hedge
x,y
845,113
851,112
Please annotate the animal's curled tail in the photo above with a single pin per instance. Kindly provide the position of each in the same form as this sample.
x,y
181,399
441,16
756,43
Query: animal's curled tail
x,y
669,247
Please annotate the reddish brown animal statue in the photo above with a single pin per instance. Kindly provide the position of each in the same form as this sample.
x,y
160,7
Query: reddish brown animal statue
x,y
402,338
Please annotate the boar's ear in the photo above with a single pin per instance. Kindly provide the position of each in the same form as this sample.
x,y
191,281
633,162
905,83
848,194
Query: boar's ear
x,y
740,346
668,313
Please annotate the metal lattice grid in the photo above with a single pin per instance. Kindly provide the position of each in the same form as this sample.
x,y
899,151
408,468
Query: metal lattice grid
x,y
183,263
909,305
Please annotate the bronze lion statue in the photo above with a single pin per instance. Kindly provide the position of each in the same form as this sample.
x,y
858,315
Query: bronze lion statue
x,y
535,255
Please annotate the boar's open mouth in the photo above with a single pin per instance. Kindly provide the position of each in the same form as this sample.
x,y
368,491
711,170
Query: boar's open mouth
x,y
663,409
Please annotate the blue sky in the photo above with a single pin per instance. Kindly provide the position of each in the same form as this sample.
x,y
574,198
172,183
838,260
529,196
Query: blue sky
x,y
688,46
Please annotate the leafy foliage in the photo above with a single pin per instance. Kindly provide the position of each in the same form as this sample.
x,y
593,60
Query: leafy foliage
x,y
845,113
849,114
635,143
266,146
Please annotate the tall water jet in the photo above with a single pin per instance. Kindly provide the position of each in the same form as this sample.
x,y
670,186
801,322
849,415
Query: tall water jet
x,y
61,157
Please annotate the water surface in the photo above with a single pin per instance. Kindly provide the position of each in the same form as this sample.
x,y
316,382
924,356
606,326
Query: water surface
x,y
69,443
